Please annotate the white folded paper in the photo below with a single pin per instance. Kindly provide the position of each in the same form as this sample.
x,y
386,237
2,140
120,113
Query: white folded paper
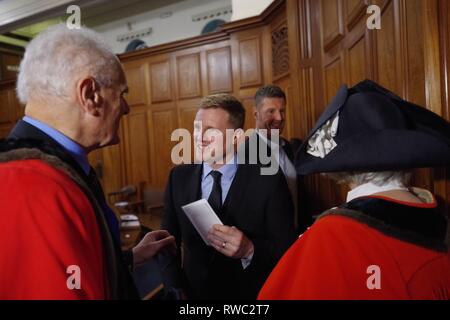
x,y
202,216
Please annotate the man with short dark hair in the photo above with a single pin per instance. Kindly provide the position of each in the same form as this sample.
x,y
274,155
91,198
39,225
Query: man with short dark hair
x,y
270,114
256,211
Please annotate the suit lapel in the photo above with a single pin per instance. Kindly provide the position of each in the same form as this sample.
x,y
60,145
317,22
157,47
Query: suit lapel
x,y
192,184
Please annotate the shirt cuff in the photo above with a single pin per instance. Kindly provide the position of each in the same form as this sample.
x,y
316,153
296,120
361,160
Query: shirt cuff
x,y
246,261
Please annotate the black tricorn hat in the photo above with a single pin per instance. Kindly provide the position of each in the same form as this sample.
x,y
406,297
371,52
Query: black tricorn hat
x,y
376,131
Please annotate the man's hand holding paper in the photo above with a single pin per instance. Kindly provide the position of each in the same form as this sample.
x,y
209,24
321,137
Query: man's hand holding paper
x,y
230,241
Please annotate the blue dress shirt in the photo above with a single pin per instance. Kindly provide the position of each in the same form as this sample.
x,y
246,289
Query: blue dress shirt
x,y
228,172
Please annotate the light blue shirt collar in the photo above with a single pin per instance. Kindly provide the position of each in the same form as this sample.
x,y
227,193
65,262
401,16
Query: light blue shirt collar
x,y
73,148
228,170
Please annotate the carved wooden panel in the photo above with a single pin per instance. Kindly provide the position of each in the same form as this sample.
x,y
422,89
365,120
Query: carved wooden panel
x,y
163,124
188,71
136,85
280,52
332,23
138,153
160,82
357,62
250,62
219,70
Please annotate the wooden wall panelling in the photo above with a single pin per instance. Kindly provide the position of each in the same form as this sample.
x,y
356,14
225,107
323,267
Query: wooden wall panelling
x,y
333,77
311,76
5,108
357,62
358,51
189,83
137,150
249,57
121,163
266,53
187,115
332,23
111,165
414,48
444,31
162,122
10,109
442,176
429,12
219,72
355,10
248,104
8,61
281,67
160,81
296,104
248,62
136,73
187,111
388,62
113,168
288,132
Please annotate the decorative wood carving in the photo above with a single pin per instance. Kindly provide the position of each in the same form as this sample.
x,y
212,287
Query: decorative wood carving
x,y
280,52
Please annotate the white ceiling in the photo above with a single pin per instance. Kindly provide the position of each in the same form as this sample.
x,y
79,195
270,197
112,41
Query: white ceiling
x,y
15,14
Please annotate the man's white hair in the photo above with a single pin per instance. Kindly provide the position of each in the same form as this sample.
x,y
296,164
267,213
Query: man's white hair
x,y
55,59
378,178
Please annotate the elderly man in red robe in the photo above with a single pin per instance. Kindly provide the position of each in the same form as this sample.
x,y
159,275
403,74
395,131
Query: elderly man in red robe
x,y
58,237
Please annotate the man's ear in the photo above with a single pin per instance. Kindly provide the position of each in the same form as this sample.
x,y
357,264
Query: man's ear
x,y
88,96
255,113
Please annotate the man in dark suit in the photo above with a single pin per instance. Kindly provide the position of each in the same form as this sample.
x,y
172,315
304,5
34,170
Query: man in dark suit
x,y
270,114
256,211
73,106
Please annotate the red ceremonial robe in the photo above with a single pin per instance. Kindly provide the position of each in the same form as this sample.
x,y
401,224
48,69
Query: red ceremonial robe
x,y
340,257
47,226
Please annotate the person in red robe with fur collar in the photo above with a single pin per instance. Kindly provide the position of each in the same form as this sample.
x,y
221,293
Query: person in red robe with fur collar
x,y
58,237
388,241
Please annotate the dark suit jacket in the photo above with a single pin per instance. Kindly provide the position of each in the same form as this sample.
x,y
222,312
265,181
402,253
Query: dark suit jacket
x,y
25,131
291,147
258,205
